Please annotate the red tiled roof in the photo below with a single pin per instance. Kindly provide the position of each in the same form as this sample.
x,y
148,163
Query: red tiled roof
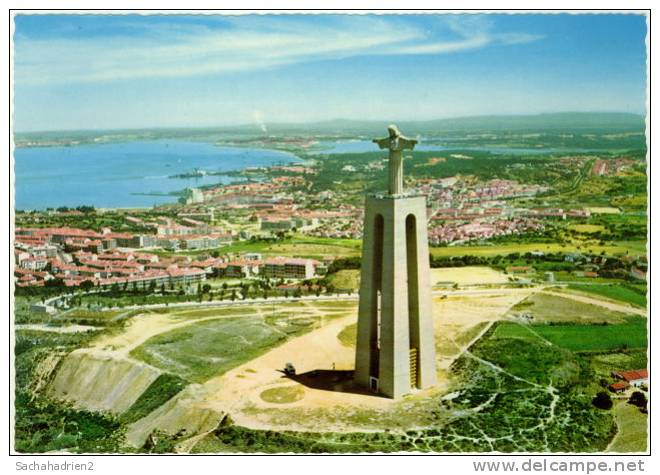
x,y
633,375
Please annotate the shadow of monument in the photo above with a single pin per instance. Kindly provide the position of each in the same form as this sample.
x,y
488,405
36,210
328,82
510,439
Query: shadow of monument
x,y
330,380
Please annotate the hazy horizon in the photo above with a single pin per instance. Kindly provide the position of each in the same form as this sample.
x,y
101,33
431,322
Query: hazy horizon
x,y
331,120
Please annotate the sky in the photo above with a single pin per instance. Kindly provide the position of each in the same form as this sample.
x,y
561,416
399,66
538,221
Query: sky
x,y
132,71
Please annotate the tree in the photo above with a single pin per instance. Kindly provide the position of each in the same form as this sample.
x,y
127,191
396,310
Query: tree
x,y
87,285
602,400
56,282
638,399
86,209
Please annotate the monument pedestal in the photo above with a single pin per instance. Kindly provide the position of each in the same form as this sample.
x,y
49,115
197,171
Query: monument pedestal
x,y
395,339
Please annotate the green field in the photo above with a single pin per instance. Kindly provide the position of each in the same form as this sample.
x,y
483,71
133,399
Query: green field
x,y
604,363
581,337
551,308
632,247
596,337
297,245
300,245
614,292
346,279
632,424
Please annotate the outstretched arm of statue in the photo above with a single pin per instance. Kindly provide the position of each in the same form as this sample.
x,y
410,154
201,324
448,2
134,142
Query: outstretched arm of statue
x,y
406,144
382,143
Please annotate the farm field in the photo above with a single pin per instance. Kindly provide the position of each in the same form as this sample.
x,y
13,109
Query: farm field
x,y
312,247
297,245
603,210
576,337
544,307
468,275
596,337
587,228
604,363
313,250
614,291
504,249
345,279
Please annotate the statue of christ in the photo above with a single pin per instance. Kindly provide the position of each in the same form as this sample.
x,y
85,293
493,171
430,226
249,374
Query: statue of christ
x,y
395,143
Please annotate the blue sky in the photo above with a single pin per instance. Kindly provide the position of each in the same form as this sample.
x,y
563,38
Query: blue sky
x,y
118,71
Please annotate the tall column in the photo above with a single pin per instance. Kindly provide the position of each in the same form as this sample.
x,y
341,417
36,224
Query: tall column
x,y
395,338
394,374
422,332
367,327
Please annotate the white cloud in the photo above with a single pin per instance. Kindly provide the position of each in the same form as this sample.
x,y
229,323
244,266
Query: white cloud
x,y
175,50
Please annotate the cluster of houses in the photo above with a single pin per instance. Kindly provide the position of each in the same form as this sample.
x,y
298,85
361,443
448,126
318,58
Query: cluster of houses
x,y
324,223
75,256
462,210
108,268
253,265
481,229
167,235
347,226
627,379
608,167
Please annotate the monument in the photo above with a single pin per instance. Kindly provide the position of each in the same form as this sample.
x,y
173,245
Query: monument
x,y
395,342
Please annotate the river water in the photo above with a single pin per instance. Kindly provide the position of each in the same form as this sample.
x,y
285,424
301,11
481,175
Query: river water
x,y
125,175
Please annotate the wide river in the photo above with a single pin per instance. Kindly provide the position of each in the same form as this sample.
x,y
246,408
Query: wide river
x,y
121,175
138,174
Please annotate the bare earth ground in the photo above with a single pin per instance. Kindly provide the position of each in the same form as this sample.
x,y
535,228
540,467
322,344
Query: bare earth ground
x,y
331,404
469,275
341,407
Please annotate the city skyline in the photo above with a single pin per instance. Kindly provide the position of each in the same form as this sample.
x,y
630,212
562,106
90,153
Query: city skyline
x,y
132,71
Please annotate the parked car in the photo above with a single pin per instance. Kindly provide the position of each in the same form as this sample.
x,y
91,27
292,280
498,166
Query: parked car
x,y
289,369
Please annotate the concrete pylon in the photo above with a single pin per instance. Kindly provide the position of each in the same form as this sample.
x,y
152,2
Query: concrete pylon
x,y
395,340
